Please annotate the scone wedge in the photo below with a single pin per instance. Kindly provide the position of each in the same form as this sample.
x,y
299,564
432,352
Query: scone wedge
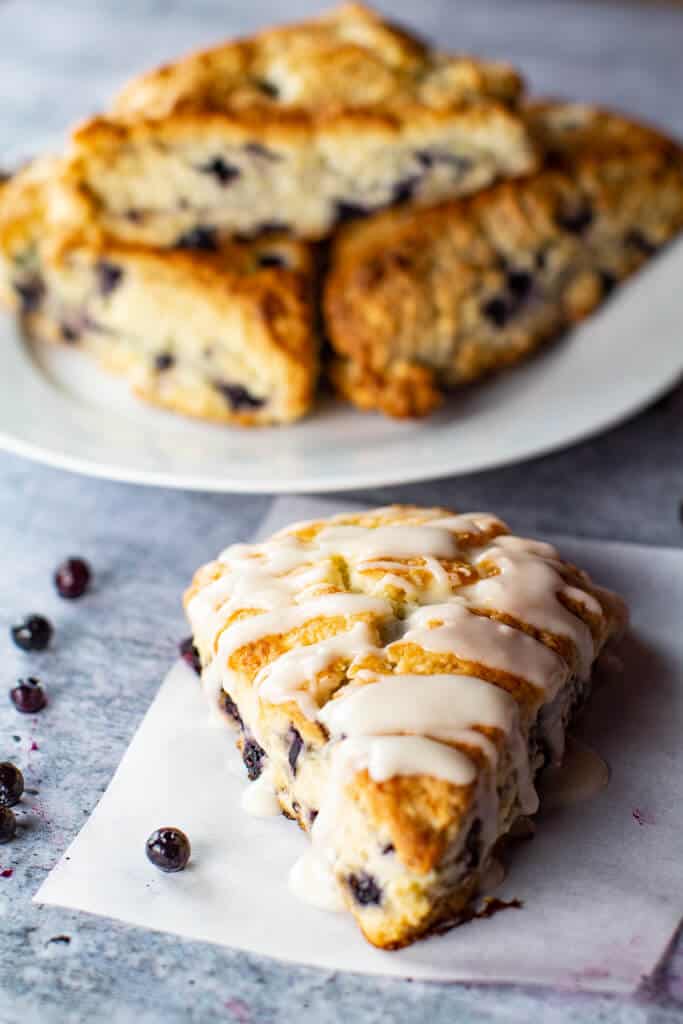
x,y
418,302
398,677
225,333
300,127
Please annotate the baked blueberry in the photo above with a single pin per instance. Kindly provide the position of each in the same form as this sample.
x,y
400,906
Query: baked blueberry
x,y
576,219
271,259
11,784
220,169
228,705
404,190
190,654
257,149
608,282
31,293
350,211
108,276
267,88
364,888
201,238
168,849
295,745
33,633
8,825
28,696
238,396
498,310
163,361
253,755
72,578
519,283
472,853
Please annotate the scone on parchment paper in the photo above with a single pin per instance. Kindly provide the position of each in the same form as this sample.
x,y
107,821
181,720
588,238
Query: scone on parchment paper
x,y
299,127
224,332
418,302
398,677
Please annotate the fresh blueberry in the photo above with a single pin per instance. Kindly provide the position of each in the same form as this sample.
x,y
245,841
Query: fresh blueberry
x,y
108,276
31,293
72,578
253,755
221,170
33,633
364,888
168,849
163,361
190,654
202,238
238,397
28,696
8,825
11,784
295,745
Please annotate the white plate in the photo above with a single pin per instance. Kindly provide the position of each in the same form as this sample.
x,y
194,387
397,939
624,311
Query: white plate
x,y
57,408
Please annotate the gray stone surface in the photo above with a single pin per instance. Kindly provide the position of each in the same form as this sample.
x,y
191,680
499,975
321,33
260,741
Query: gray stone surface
x,y
58,61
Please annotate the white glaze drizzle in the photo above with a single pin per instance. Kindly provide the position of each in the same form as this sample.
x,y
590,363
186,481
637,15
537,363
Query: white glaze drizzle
x,y
259,798
485,641
397,725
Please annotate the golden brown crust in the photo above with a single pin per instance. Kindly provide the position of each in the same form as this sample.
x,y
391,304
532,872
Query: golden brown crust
x,y
420,301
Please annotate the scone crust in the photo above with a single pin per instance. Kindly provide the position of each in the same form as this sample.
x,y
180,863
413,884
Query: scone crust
x,y
410,292
418,817
311,107
44,222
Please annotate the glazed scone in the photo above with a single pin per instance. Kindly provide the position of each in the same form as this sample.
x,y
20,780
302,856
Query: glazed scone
x,y
418,302
225,333
398,677
300,127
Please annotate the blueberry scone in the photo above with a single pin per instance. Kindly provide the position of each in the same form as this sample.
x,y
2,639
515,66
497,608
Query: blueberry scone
x,y
418,302
398,678
224,332
299,127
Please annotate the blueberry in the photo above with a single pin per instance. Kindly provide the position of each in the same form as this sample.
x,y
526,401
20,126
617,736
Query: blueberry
x,y
345,212
202,238
256,149
190,654
68,332
519,283
28,696
238,397
72,578
168,849
472,854
31,293
253,755
11,784
108,276
497,310
405,190
163,361
431,157
8,825
637,240
267,88
364,888
389,848
228,705
608,282
134,216
576,219
271,259
220,169
33,633
295,745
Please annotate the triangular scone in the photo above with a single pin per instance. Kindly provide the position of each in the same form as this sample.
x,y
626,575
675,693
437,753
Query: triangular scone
x,y
418,302
224,331
399,677
300,126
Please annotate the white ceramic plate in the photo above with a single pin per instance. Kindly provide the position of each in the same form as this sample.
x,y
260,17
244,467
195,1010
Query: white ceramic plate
x,y
57,408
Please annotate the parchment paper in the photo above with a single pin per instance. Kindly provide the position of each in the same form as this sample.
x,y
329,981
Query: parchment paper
x,y
601,883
